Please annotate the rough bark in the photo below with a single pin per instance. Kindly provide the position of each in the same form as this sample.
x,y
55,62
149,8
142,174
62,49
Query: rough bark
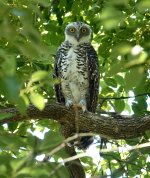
x,y
116,127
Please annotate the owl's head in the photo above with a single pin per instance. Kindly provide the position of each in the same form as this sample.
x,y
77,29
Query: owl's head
x,y
78,33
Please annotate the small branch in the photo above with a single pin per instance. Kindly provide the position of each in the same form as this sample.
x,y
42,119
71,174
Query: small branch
x,y
66,142
124,149
115,127
73,164
124,97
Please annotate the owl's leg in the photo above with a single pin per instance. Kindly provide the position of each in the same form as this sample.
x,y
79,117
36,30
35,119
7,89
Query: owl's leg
x,y
83,89
67,93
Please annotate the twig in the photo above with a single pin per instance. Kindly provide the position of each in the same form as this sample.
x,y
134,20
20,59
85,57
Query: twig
x,y
124,149
68,160
124,97
69,139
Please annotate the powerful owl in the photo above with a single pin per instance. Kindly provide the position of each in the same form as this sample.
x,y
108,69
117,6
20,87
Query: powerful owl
x,y
77,66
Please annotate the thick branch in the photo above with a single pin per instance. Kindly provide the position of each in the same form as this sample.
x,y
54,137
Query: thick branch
x,y
109,127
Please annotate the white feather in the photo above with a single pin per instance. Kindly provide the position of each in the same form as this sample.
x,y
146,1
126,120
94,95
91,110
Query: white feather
x,y
72,40
73,76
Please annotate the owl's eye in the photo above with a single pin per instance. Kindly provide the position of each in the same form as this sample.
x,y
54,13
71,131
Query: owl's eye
x,y
72,30
83,30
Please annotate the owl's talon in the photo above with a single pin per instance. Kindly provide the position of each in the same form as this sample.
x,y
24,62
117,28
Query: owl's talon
x,y
84,109
69,103
83,105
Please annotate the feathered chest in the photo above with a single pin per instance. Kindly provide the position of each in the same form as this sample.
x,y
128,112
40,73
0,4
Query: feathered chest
x,y
74,64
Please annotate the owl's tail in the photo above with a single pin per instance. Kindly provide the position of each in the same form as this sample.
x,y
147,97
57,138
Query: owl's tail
x,y
85,142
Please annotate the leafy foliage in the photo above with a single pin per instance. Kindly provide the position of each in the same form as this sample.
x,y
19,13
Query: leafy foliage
x,y
31,32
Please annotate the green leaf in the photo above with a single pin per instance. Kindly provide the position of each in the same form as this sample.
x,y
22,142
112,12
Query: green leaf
x,y
28,50
143,6
107,91
111,82
62,4
53,50
5,158
44,3
17,164
51,140
139,106
133,77
120,49
9,65
119,80
12,126
3,171
115,68
111,17
5,115
10,141
148,134
37,100
9,87
39,75
133,142
119,105
22,104
36,172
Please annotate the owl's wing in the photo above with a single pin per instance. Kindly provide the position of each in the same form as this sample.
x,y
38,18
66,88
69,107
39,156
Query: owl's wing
x,y
94,76
58,90
92,97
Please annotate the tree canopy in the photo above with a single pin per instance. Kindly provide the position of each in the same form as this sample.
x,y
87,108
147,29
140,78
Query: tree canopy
x,y
31,144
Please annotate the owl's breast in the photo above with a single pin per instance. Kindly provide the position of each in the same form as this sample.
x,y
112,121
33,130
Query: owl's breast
x,y
75,67
75,73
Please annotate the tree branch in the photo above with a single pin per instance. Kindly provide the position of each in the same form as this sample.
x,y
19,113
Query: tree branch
x,y
116,127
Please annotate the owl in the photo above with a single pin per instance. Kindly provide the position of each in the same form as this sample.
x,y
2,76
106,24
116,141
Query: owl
x,y
77,67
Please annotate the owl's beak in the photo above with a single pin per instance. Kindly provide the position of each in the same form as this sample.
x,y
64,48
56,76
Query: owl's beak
x,y
78,37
